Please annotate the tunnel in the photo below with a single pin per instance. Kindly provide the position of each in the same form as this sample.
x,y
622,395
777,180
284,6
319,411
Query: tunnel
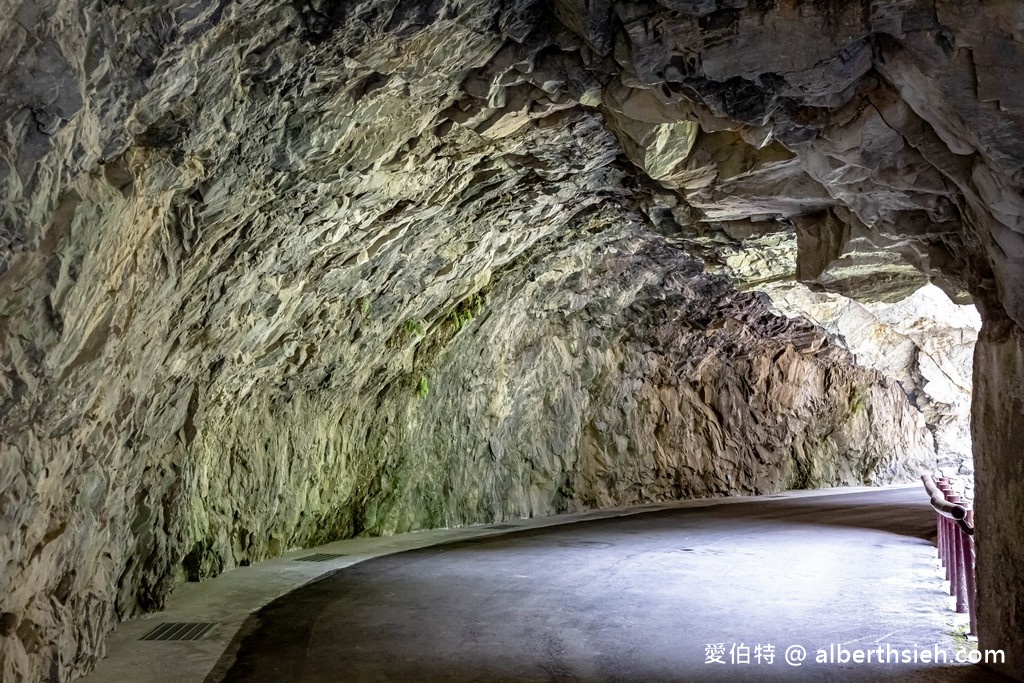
x,y
465,287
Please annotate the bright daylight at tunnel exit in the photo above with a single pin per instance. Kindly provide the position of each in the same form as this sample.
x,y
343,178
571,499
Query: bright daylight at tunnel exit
x,y
511,340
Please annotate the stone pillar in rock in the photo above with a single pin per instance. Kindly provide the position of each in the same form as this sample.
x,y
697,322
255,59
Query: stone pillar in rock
x,y
997,418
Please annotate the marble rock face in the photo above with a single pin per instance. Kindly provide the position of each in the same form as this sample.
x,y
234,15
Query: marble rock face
x,y
925,342
273,273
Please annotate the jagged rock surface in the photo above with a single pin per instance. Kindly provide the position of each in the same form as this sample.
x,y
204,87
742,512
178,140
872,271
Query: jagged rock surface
x,y
240,243
925,342
429,382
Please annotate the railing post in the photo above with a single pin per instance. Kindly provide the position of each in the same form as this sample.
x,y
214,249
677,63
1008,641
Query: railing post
x,y
972,585
945,546
958,586
953,568
963,574
949,540
939,535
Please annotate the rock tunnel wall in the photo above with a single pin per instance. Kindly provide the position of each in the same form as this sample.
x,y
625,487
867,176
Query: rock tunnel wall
x,y
276,272
999,471
269,408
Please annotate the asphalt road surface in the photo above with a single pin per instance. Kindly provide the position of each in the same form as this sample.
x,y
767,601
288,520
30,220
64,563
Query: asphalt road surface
x,y
646,597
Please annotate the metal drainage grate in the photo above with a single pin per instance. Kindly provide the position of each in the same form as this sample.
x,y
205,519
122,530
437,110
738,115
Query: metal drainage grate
x,y
503,526
178,632
318,557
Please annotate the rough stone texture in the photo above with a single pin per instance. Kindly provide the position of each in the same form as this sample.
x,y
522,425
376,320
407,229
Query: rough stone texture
x,y
924,342
598,367
997,411
239,240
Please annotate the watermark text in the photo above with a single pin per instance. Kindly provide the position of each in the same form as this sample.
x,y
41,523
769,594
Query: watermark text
x,y
797,655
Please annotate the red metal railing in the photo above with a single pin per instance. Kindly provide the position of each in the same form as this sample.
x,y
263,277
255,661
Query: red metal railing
x,y
956,544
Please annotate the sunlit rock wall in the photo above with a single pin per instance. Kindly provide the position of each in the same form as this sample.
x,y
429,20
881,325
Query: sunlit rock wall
x,y
925,342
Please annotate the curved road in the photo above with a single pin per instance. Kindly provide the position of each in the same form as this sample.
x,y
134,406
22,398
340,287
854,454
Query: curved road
x,y
632,598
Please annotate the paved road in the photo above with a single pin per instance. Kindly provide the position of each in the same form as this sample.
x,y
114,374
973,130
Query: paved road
x,y
637,598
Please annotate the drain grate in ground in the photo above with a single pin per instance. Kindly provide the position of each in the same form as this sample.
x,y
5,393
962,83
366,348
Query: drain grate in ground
x,y
319,557
178,632
503,526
